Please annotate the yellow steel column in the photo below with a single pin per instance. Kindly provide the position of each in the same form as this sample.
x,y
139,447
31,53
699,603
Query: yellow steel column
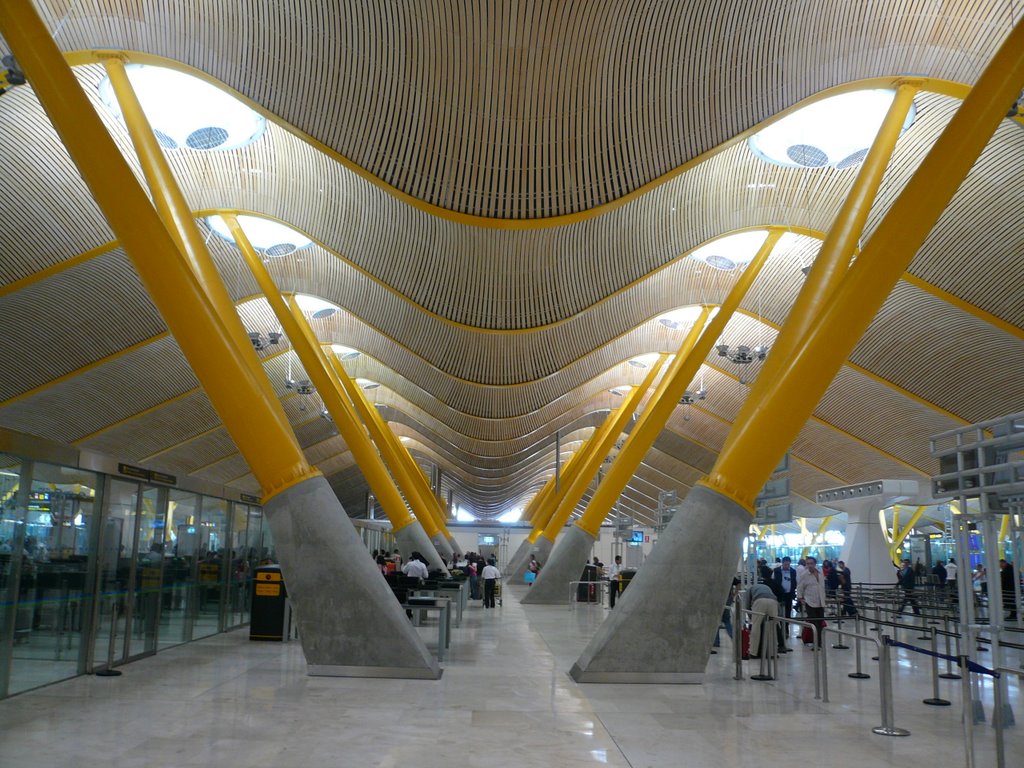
x,y
259,428
540,508
602,443
383,438
177,216
340,409
838,247
677,378
787,399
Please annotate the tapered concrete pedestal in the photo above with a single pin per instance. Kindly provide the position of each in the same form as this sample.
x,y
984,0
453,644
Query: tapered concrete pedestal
x,y
350,623
517,560
663,625
442,545
412,538
565,564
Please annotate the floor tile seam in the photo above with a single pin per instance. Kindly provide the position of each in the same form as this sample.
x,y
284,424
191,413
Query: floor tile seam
x,y
613,739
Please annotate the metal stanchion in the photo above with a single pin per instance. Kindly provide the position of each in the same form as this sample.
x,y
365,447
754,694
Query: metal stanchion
x,y
109,671
859,674
766,650
935,700
997,719
949,674
737,637
888,726
967,715
822,653
839,645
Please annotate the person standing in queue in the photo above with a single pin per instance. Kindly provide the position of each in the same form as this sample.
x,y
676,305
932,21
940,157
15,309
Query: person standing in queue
x,y
490,576
810,593
613,581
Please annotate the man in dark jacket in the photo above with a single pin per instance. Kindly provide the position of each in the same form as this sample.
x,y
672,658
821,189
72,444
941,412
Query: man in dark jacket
x,y
784,579
906,581
1006,577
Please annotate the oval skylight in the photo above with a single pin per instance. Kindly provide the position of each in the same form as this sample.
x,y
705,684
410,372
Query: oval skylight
x,y
315,307
367,383
732,251
345,353
644,361
186,111
835,132
683,317
273,239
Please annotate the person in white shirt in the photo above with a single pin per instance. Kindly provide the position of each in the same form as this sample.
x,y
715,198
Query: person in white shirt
x,y
613,580
951,569
415,567
810,593
490,576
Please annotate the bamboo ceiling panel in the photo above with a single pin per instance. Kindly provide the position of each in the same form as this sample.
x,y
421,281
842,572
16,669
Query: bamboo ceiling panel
x,y
72,319
840,456
945,355
423,99
76,407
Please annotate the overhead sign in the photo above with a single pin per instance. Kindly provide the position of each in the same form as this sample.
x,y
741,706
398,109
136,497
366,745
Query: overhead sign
x,y
149,475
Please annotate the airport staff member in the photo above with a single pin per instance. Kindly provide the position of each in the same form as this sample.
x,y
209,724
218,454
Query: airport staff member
x,y
613,580
490,576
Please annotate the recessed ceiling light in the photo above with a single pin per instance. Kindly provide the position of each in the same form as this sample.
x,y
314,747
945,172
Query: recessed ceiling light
x,y
274,239
187,112
732,251
836,132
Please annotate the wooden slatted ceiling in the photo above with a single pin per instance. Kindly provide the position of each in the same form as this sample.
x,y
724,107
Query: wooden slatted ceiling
x,y
87,312
944,355
104,395
424,97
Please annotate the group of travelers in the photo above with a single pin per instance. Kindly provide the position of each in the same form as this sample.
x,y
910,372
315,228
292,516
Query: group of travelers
x,y
482,574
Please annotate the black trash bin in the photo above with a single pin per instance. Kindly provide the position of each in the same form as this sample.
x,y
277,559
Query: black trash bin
x,y
586,592
270,617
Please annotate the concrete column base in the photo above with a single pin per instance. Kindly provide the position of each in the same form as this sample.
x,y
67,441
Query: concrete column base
x,y
663,625
440,542
412,538
456,549
541,549
347,616
866,552
516,561
565,564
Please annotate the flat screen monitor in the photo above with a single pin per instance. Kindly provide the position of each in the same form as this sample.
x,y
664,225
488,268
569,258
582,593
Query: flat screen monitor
x,y
638,537
485,540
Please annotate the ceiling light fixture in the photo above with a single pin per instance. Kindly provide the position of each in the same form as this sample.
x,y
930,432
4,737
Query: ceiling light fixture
x,y
345,353
261,341
187,112
316,308
836,131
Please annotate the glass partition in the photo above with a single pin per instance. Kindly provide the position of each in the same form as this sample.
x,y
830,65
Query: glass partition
x,y
213,562
180,558
53,597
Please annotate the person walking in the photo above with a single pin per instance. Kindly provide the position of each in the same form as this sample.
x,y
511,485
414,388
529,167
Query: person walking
x,y
907,582
490,575
613,581
810,593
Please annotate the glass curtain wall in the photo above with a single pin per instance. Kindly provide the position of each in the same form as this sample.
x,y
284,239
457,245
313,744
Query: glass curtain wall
x,y
46,538
98,570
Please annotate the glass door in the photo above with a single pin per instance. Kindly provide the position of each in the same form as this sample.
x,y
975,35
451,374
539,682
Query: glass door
x,y
130,571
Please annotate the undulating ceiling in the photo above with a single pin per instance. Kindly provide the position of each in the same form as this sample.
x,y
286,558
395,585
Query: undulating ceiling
x,y
502,201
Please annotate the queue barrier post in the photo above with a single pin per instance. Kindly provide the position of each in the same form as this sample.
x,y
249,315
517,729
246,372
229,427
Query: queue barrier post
x,y
935,700
888,726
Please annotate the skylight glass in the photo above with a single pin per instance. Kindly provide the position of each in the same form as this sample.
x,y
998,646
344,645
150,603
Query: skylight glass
x,y
682,317
315,307
273,239
186,112
345,353
644,361
835,132
512,516
732,251
367,383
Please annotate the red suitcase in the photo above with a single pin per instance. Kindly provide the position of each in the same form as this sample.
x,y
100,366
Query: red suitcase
x,y
745,640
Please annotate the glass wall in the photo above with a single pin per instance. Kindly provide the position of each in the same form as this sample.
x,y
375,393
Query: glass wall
x,y
46,538
98,570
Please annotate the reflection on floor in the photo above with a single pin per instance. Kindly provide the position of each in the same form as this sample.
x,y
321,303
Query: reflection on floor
x,y
504,700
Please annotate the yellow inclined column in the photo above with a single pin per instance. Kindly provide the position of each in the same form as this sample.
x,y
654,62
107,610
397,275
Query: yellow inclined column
x,y
601,443
417,479
340,409
837,249
379,433
259,428
540,508
677,379
788,399
177,215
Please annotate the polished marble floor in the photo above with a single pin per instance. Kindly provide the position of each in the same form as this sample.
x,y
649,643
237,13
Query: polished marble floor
x,y
505,700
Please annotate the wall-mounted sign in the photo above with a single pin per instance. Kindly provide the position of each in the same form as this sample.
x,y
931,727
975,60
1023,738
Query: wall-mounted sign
x,y
249,498
148,475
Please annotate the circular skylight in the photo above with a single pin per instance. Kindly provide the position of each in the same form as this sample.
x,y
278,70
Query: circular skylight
x,y
274,239
316,308
345,353
186,111
732,251
835,132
